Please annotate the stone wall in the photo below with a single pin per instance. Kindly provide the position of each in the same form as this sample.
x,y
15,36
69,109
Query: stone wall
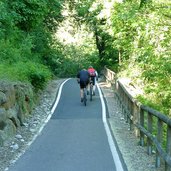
x,y
16,103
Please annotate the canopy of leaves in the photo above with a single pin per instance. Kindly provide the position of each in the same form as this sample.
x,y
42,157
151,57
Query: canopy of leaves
x,y
26,29
143,37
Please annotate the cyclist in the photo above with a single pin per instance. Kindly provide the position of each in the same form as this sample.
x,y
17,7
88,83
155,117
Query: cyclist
x,y
93,75
83,78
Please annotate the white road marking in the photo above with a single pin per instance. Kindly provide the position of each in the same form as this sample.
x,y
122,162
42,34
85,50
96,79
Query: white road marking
x,y
58,97
114,152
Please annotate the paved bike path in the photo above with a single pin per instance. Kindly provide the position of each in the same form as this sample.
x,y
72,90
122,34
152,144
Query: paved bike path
x,y
74,139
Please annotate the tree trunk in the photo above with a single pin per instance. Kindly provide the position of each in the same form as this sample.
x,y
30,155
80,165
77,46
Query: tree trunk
x,y
99,43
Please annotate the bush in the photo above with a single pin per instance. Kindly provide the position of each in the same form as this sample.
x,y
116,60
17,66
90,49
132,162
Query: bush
x,y
142,37
34,73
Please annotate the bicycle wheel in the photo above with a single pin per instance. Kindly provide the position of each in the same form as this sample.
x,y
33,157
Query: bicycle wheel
x,y
85,98
91,91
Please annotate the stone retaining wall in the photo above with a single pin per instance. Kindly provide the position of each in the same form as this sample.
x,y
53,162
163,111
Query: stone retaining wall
x,y
16,103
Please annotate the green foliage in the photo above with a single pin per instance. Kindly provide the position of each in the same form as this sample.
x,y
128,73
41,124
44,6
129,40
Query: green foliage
x,y
26,29
15,48
35,73
33,13
94,14
142,36
124,28
75,58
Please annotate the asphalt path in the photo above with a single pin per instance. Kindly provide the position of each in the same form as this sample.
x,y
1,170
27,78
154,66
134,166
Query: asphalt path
x,y
74,138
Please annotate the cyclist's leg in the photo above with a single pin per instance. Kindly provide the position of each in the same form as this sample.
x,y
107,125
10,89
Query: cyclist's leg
x,y
81,90
86,82
94,87
88,86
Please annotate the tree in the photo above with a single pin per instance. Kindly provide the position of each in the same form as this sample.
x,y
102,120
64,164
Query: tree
x,y
94,14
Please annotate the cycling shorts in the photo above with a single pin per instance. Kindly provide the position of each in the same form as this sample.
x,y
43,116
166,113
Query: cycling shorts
x,y
83,84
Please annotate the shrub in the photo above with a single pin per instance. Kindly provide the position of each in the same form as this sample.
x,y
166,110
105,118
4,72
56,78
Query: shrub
x,y
34,73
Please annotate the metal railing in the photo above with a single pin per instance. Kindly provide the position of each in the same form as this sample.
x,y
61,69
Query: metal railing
x,y
152,127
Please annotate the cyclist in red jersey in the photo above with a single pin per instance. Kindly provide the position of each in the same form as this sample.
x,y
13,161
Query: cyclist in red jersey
x,y
93,74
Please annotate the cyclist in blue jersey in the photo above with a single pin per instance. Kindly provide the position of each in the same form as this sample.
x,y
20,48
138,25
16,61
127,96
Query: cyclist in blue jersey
x,y
83,78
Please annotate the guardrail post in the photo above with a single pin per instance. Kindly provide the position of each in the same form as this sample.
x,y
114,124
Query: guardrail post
x,y
121,93
116,93
168,147
136,118
142,125
159,138
125,99
120,97
150,129
131,106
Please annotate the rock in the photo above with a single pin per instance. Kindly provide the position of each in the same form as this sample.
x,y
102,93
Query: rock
x,y
9,130
122,118
18,136
25,124
3,115
8,89
1,138
12,115
3,118
15,147
3,98
22,140
32,130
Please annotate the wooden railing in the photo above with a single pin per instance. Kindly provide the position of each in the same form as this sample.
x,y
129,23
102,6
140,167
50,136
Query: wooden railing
x,y
152,127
